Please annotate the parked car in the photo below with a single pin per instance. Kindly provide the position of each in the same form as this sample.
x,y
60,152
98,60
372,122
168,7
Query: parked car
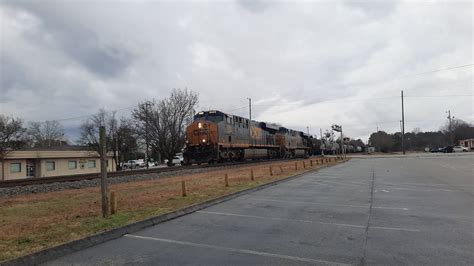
x,y
460,149
131,164
436,149
448,149
178,159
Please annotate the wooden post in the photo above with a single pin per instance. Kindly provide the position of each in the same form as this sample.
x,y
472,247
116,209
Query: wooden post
x,y
103,172
183,188
252,177
226,179
271,170
304,165
281,169
296,166
113,203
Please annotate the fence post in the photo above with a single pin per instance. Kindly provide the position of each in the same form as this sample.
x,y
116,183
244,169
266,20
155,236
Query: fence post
x,y
281,169
251,174
304,165
311,162
226,179
113,203
296,166
271,170
103,173
183,188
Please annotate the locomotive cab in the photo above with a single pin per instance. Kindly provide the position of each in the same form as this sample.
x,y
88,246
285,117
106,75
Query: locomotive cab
x,y
201,137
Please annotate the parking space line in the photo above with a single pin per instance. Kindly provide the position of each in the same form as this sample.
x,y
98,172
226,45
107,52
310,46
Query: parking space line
x,y
306,221
417,190
236,250
342,184
394,228
331,204
320,182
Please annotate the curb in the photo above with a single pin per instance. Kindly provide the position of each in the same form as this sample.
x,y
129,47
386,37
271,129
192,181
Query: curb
x,y
90,241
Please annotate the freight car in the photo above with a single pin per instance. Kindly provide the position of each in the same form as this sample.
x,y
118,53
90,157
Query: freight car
x,y
215,136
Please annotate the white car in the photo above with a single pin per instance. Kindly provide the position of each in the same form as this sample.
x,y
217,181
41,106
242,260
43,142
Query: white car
x,y
134,164
178,159
460,149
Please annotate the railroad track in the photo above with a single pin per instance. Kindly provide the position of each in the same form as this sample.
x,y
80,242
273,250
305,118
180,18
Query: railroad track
x,y
72,178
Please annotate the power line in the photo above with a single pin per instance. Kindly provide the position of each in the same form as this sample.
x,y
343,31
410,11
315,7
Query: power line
x,y
436,70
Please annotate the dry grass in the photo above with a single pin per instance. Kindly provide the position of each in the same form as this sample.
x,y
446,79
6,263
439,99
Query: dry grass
x,y
29,223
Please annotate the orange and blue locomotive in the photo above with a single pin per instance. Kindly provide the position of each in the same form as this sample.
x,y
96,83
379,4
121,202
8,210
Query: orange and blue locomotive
x,y
215,136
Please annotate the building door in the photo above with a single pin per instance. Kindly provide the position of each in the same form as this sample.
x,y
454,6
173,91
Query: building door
x,y
30,168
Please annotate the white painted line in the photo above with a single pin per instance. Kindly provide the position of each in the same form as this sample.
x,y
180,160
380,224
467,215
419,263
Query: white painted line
x,y
306,221
236,250
313,203
343,184
418,190
330,204
394,228
390,208
415,184
344,180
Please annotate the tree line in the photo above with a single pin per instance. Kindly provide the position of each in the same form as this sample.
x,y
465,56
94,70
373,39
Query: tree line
x,y
156,124
418,140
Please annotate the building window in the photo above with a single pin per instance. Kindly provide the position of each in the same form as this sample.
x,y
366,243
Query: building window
x,y
91,164
50,166
72,164
15,168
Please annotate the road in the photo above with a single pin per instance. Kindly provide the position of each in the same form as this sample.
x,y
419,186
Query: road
x,y
368,211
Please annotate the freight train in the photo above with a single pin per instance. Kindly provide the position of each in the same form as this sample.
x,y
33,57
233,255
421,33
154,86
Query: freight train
x,y
215,136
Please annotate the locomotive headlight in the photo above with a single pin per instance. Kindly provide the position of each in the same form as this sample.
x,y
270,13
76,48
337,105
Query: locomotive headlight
x,y
203,140
199,125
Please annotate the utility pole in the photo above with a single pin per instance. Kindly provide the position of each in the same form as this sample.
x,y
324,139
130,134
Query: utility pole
x,y
307,128
451,139
342,144
403,126
103,172
321,132
146,133
250,120
117,155
377,126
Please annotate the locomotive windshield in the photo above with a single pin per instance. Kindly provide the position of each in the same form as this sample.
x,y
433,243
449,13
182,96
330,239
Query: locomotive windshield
x,y
213,116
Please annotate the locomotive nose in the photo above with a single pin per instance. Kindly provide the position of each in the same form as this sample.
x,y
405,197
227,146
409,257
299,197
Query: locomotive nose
x,y
199,133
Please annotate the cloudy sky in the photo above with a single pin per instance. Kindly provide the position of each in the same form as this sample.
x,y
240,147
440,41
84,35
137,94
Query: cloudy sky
x,y
303,63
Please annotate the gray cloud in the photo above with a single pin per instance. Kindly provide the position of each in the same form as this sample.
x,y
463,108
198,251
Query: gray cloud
x,y
303,63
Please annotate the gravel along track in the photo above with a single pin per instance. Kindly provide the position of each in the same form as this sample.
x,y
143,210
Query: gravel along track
x,y
85,183
57,186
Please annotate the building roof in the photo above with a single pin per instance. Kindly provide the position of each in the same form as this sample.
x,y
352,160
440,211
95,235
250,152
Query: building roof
x,y
60,148
58,152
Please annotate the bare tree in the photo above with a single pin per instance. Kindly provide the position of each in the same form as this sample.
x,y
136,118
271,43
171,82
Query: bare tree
x,y
90,129
46,134
12,135
382,141
127,139
163,122
460,130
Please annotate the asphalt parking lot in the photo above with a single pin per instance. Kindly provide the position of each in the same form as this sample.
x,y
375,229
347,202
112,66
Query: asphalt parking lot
x,y
368,211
